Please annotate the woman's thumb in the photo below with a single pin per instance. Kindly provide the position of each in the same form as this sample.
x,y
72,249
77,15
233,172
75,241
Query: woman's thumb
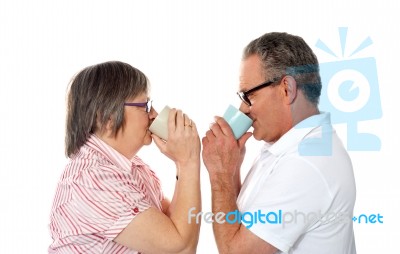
x,y
159,142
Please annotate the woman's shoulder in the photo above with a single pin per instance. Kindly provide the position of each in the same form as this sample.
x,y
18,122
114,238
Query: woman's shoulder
x,y
89,165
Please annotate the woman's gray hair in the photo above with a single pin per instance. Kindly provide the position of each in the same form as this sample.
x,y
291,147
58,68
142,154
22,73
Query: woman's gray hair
x,y
97,95
285,54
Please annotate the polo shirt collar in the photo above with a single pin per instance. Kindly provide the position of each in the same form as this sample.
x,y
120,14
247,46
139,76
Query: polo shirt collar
x,y
297,133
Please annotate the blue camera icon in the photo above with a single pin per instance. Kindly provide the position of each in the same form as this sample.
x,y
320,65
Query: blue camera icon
x,y
350,92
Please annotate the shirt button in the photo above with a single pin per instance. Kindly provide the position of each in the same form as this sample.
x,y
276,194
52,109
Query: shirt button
x,y
136,210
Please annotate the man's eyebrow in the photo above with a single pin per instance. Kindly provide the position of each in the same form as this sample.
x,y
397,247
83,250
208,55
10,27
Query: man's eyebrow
x,y
241,88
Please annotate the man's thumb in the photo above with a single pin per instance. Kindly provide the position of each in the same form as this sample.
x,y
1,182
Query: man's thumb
x,y
243,139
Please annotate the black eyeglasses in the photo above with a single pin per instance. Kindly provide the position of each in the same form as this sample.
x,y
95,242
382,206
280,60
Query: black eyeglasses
x,y
146,105
244,95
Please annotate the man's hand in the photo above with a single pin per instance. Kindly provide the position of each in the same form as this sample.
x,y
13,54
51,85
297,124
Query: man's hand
x,y
222,154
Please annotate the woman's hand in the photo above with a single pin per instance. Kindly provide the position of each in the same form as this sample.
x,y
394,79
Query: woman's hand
x,y
183,145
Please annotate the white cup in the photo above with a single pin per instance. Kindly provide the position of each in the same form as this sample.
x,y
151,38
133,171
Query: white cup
x,y
160,124
238,121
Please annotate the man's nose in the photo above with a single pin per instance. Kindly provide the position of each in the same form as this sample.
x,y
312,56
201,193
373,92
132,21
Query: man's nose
x,y
244,108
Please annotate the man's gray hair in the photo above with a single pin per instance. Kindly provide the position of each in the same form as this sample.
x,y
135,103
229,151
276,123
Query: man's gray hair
x,y
285,54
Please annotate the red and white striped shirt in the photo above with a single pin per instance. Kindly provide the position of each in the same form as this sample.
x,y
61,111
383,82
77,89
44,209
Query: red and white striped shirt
x,y
98,195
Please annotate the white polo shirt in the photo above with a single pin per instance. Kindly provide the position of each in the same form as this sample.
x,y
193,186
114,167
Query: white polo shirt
x,y
300,192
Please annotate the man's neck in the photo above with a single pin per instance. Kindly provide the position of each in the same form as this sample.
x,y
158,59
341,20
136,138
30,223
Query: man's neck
x,y
303,110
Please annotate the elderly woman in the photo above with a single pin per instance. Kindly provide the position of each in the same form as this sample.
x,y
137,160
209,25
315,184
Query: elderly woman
x,y
108,200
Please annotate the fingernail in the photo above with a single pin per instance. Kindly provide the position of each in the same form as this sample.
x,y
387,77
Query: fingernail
x,y
216,118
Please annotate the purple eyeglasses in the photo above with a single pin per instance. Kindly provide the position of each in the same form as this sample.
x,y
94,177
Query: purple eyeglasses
x,y
146,105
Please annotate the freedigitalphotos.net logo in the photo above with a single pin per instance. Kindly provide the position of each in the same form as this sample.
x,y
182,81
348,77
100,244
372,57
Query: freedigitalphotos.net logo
x,y
277,217
282,218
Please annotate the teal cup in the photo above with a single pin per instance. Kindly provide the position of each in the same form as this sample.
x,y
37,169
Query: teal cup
x,y
238,121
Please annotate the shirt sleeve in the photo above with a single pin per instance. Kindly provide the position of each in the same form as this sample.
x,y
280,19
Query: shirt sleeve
x,y
106,199
287,203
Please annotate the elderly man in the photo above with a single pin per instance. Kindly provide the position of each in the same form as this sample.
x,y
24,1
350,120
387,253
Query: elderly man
x,y
300,192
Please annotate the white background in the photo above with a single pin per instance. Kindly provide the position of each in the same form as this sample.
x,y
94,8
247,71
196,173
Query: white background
x,y
191,53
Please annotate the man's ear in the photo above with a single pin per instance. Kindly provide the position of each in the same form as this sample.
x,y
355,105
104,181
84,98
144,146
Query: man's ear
x,y
290,87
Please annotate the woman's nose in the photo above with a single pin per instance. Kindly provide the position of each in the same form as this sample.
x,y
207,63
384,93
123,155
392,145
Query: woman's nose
x,y
153,113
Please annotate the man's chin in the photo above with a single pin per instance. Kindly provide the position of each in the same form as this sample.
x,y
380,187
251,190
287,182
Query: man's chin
x,y
256,136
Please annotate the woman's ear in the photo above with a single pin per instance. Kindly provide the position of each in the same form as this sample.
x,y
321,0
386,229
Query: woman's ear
x,y
105,129
290,87
109,125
